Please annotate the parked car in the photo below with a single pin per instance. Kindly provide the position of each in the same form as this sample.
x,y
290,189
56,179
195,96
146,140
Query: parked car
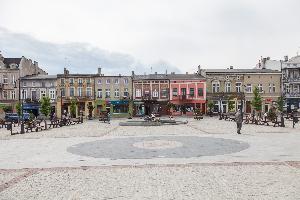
x,y
15,118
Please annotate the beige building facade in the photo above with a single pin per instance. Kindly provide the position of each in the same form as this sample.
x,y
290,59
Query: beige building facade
x,y
237,85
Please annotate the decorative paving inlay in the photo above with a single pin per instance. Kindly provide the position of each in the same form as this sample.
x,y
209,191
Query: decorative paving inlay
x,y
158,147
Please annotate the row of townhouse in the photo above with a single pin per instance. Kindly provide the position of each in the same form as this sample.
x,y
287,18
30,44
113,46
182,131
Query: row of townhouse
x,y
153,93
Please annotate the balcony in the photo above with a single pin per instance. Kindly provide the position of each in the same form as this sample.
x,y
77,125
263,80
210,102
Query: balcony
x,y
291,79
292,94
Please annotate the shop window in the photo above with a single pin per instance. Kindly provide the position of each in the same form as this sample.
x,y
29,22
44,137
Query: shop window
x,y
123,108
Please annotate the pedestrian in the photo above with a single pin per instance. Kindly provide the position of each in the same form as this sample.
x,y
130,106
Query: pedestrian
x,y
239,121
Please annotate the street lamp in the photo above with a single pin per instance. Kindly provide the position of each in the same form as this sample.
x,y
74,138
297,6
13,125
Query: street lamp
x,y
21,102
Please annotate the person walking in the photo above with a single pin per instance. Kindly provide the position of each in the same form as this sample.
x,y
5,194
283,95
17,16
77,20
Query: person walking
x,y
239,121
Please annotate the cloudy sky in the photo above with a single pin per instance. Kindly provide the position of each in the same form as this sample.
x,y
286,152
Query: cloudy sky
x,y
174,35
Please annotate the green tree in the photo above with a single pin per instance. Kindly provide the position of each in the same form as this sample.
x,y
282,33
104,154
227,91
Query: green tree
x,y
73,107
280,103
45,106
257,100
231,104
19,108
210,105
7,109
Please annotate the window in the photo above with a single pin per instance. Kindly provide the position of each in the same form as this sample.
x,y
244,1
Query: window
x,y
164,92
122,108
72,91
62,81
13,79
52,94
24,84
63,93
238,77
271,88
24,94
138,93
33,95
71,81
174,92
126,93
80,81
99,93
287,88
248,88
107,81
260,87
117,93
200,92
88,81
13,94
79,91
99,81
107,93
5,94
192,92
155,93
43,93
215,87
227,87
238,87
51,84
116,81
88,92
126,81
5,79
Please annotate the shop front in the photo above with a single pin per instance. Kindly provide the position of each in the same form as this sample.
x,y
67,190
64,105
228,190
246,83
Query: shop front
x,y
120,108
31,108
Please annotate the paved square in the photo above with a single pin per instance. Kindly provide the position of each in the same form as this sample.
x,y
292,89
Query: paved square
x,y
203,159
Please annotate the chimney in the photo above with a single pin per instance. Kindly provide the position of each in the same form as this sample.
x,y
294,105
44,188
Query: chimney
x,y
231,67
119,75
99,70
36,63
199,69
186,73
155,73
173,73
286,58
166,72
132,73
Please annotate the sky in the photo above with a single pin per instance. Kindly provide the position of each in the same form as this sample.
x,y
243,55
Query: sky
x,y
147,36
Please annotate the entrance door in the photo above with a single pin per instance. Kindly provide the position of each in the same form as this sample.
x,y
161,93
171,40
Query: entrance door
x,y
266,107
183,93
248,107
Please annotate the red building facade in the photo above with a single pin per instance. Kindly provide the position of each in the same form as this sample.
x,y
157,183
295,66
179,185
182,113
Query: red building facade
x,y
150,94
187,93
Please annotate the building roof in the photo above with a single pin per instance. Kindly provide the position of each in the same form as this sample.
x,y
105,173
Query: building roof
x,y
185,77
150,77
241,71
35,77
74,75
9,61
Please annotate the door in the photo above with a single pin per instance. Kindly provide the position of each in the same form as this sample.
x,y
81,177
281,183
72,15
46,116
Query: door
x,y
248,107
183,93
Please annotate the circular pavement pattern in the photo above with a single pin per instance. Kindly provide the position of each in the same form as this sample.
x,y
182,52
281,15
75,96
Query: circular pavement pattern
x,y
158,147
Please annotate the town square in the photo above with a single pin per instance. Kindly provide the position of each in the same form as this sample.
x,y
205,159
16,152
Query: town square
x,y
140,99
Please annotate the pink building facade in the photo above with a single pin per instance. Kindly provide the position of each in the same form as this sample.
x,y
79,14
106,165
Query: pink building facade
x,y
187,93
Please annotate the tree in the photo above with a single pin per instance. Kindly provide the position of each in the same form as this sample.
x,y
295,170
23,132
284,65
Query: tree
x,y
7,109
45,106
210,105
257,100
73,107
280,103
231,104
19,108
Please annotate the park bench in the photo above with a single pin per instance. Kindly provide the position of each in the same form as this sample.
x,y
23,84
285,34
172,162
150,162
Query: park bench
x,y
104,117
198,116
33,126
54,123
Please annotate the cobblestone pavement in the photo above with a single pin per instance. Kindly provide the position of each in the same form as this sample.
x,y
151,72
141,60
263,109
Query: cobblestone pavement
x,y
39,165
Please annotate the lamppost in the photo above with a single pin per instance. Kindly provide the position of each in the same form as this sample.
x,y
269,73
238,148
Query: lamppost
x,y
21,102
61,103
220,105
